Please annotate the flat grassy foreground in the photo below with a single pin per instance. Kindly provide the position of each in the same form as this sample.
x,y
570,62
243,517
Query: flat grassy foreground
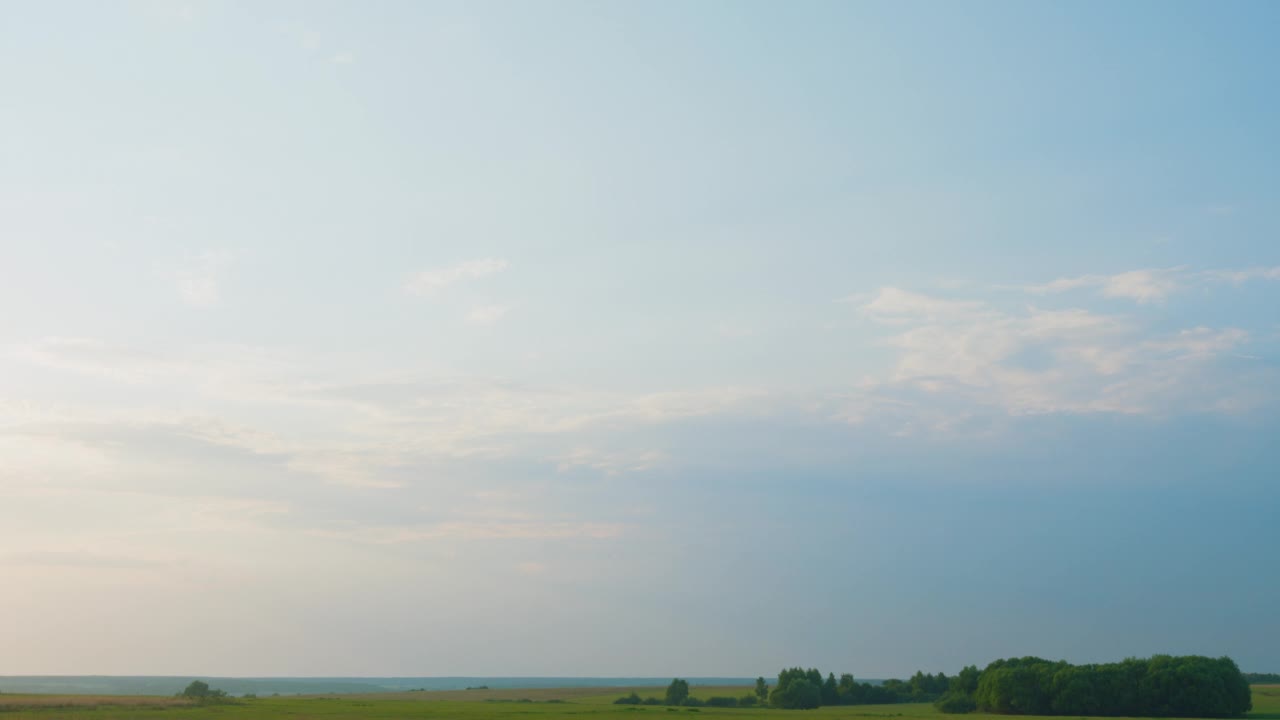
x,y
542,704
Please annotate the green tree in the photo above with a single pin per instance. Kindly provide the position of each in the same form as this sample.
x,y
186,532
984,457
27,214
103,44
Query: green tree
x,y
830,691
762,690
798,694
677,692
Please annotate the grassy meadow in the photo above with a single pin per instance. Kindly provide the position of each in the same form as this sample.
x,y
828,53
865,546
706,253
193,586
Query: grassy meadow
x,y
540,704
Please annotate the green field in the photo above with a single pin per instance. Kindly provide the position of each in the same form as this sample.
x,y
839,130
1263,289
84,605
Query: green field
x,y
543,704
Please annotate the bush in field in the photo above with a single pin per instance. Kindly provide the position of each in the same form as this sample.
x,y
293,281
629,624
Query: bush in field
x,y
955,703
200,691
651,701
720,701
632,699
748,701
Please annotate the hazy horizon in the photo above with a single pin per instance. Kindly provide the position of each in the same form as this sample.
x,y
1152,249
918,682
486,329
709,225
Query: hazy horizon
x,y
636,339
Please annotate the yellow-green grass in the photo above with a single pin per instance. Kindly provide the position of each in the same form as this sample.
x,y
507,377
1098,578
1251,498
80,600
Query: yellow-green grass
x,y
542,704
13,701
1266,702
584,696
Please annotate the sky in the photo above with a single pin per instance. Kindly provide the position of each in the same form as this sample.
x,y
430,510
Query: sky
x,y
636,338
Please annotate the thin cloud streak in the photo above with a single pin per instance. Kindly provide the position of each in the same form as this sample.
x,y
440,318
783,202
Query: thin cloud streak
x,y
430,282
1154,285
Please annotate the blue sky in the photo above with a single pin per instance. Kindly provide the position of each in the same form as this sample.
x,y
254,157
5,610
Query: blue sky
x,y
636,338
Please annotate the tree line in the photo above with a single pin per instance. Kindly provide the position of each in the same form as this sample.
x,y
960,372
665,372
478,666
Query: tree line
x,y
800,689
1159,686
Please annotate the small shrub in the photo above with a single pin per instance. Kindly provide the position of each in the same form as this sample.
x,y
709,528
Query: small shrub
x,y
651,701
632,699
955,704
200,691
748,701
720,701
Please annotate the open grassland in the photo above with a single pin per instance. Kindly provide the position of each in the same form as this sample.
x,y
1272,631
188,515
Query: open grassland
x,y
542,704
586,696
1266,702
10,702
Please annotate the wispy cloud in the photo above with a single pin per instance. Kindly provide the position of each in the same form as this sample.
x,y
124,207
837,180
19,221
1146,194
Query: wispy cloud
x,y
1143,286
198,279
309,39
895,306
183,11
79,559
610,463
477,531
487,314
346,57
1151,285
1239,277
429,282
969,355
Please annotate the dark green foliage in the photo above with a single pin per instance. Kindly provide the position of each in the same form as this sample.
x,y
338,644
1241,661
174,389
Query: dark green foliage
x,y
651,701
928,687
847,691
200,691
1262,678
955,703
830,693
762,690
720,701
677,692
966,683
1162,686
748,701
632,699
796,694
692,702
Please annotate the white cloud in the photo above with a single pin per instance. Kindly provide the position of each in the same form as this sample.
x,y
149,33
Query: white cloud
x,y
487,314
610,463
428,282
1152,285
183,11
896,306
80,559
1239,277
398,535
968,355
1143,286
198,279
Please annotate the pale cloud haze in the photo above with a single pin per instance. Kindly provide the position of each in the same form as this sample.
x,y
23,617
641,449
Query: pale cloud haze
x,y
519,339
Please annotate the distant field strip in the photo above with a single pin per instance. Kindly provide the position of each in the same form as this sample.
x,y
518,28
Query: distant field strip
x,y
10,702
586,695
